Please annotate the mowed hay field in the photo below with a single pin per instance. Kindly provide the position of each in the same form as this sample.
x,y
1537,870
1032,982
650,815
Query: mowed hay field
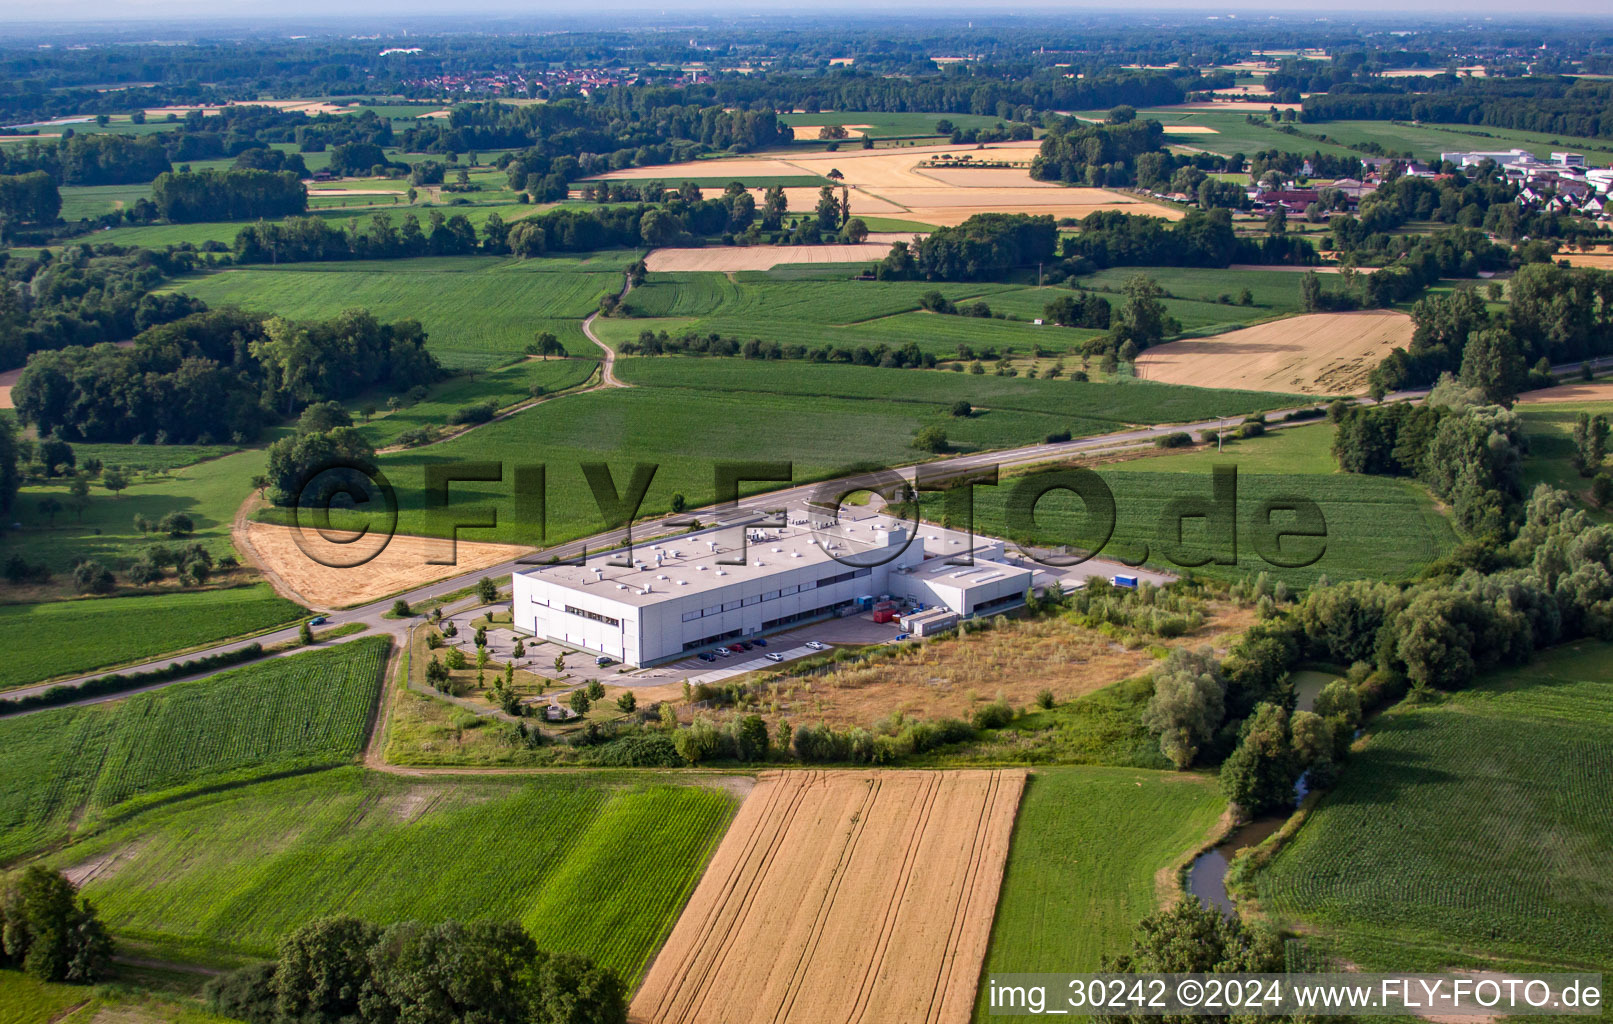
x,y
593,864
764,257
845,896
309,566
1477,829
1318,354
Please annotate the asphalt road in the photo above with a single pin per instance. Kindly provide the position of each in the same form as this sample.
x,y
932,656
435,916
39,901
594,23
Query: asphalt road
x,y
373,615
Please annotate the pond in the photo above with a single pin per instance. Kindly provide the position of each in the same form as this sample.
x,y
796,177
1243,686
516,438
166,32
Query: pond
x,y
1207,878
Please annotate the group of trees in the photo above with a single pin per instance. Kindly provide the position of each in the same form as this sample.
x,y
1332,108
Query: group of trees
x,y
90,159
85,295
342,970
216,376
1469,453
985,247
1204,238
1096,154
237,194
691,343
30,198
1555,314
50,932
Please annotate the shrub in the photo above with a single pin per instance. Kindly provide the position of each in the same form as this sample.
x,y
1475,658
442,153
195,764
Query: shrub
x,y
961,409
1044,699
1252,428
1177,439
400,609
1057,437
481,412
993,716
932,440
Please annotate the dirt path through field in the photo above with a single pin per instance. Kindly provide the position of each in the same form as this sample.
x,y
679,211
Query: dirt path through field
x,y
840,897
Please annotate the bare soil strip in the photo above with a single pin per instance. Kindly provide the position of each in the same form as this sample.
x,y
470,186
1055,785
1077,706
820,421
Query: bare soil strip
x,y
1317,354
840,897
403,565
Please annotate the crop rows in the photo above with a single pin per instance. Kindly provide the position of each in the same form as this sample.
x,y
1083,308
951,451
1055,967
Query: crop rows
x,y
309,709
588,866
1478,824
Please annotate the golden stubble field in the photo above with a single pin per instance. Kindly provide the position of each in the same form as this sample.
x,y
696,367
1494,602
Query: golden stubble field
x,y
890,183
1314,354
404,564
842,896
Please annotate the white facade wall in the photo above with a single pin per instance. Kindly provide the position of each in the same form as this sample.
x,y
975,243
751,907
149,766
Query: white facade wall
x,y
656,627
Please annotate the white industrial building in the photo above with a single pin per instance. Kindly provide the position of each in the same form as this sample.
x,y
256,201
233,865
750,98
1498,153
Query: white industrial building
x,y
688,593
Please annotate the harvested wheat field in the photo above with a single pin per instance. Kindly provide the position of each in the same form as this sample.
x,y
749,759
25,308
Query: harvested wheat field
x,y
728,258
1315,354
1596,260
841,897
1190,129
402,565
815,131
1583,392
970,176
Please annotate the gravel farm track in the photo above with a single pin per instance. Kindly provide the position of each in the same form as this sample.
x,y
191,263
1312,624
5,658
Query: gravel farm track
x,y
842,897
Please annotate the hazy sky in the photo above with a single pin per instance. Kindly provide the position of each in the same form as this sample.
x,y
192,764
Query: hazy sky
x,y
112,12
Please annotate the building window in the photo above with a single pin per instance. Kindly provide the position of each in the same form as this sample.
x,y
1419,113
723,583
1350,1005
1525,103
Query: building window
x,y
584,613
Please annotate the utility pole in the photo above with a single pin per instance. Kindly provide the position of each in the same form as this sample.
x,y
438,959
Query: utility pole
x,y
1220,426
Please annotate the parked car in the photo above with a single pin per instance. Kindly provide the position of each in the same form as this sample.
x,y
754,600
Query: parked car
x,y
602,661
737,648
759,642
817,646
707,656
903,636
722,652
774,656
317,620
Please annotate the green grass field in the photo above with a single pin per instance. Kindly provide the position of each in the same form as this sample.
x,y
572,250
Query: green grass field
x,y
24,1000
1475,830
155,236
1088,845
71,766
1376,527
692,413
821,307
1234,134
1550,427
596,865
58,638
208,491
477,311
506,385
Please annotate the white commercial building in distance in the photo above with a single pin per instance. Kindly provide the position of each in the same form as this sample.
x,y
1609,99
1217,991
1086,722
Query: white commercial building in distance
x,y
688,593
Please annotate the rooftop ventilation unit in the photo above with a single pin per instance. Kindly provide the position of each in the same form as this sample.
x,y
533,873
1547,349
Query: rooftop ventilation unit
x,y
646,589
599,574
722,572
621,586
683,583
777,550
795,554
662,576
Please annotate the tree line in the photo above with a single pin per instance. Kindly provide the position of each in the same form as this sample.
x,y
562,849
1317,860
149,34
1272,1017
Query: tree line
x,y
1204,238
342,970
216,377
235,194
987,246
1552,104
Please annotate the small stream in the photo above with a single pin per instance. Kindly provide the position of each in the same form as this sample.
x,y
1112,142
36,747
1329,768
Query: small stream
x,y
1207,878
